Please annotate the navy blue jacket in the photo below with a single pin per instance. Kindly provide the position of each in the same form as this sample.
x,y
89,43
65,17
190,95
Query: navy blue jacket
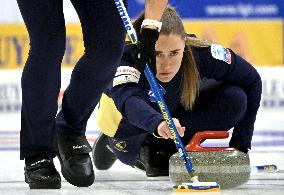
x,y
131,98
138,112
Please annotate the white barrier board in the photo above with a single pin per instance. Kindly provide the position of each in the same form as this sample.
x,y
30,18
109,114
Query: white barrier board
x,y
269,126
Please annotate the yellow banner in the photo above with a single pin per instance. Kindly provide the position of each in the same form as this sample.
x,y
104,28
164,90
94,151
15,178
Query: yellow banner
x,y
258,41
14,45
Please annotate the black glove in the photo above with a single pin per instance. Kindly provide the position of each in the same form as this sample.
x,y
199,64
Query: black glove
x,y
146,49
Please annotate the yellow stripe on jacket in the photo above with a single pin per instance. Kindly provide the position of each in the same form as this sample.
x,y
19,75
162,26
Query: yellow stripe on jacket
x,y
109,117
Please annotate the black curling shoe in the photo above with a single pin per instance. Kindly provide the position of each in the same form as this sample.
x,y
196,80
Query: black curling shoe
x,y
76,163
103,156
153,161
40,173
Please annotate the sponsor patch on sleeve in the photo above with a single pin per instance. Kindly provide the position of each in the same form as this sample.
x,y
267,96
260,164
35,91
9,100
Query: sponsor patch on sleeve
x,y
221,53
126,74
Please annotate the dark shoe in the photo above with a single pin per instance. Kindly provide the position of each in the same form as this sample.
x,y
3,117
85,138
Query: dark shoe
x,y
154,162
103,156
238,147
242,149
40,173
76,163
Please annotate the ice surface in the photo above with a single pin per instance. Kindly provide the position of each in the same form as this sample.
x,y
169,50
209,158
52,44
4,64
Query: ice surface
x,y
124,180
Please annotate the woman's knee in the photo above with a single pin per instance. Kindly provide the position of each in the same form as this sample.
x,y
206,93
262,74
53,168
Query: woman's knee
x,y
235,102
49,46
237,98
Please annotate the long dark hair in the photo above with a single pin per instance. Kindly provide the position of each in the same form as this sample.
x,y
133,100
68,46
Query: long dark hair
x,y
172,24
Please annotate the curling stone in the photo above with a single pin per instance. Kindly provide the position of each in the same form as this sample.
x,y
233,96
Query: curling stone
x,y
226,166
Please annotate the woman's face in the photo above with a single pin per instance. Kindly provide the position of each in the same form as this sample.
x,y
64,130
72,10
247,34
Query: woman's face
x,y
169,53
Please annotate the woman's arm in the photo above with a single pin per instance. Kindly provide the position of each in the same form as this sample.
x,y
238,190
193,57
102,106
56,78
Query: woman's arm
x,y
236,71
154,9
132,102
130,96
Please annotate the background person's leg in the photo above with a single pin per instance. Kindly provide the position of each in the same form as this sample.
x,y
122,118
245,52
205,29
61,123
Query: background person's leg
x,y
40,87
104,37
41,76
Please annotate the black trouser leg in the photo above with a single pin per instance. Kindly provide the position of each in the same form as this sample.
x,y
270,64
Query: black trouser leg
x,y
104,36
41,75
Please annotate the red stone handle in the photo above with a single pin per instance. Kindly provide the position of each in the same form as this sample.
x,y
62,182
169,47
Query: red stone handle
x,y
194,144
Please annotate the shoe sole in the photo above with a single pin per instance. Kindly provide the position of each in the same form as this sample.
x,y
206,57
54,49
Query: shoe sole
x,y
101,166
158,178
41,185
79,182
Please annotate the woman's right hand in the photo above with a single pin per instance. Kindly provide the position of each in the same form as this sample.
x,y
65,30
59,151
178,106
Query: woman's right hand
x,y
164,131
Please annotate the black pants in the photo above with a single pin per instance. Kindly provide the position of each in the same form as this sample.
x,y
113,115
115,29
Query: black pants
x,y
103,35
220,108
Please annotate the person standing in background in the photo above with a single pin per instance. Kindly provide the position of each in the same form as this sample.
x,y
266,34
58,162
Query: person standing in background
x,y
42,137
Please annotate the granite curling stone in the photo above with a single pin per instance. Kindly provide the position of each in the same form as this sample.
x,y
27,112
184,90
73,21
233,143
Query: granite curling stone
x,y
226,166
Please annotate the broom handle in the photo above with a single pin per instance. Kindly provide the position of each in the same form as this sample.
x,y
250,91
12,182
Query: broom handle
x,y
167,116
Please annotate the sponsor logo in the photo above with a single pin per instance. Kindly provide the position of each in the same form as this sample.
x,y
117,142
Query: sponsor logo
x,y
119,145
220,53
79,147
180,152
151,94
241,9
10,97
14,48
40,161
127,70
272,93
126,74
126,20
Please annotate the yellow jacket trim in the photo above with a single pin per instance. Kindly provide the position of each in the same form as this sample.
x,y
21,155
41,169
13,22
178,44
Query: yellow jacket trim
x,y
109,117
